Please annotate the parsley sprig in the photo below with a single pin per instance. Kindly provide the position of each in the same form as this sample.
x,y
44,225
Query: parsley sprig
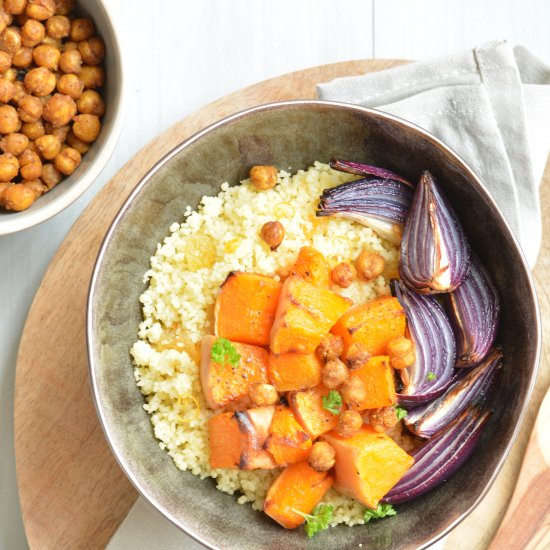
x,y
332,402
223,352
318,520
401,412
382,511
431,376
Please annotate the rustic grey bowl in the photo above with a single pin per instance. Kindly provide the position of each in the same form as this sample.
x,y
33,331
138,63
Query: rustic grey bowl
x,y
295,134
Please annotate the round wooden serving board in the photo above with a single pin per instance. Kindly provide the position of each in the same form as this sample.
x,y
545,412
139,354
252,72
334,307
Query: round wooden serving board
x,y
73,494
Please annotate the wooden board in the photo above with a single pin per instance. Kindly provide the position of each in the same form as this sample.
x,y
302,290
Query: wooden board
x,y
72,492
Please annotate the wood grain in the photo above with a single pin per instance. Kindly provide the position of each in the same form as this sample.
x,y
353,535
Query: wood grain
x,y
72,493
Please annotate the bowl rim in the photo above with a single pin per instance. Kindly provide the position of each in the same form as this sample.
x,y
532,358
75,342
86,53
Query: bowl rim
x,y
18,221
91,340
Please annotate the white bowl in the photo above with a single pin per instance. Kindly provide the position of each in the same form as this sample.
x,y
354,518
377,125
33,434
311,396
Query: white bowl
x,y
93,162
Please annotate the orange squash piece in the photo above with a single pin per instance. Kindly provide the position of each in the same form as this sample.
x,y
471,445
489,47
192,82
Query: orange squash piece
x,y
377,375
288,442
294,371
368,464
225,386
304,315
236,439
245,308
299,487
312,266
308,409
372,324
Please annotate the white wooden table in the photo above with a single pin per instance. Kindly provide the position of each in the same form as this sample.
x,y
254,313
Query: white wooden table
x,y
181,54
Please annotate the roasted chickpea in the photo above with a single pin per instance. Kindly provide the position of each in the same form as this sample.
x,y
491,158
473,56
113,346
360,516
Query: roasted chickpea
x,y
61,133
334,373
353,391
33,130
401,352
330,346
48,146
58,26
51,176
9,121
93,76
60,109
5,20
67,161
64,7
70,84
3,187
17,197
30,109
10,75
36,186
22,57
272,233
263,177
7,90
382,419
14,144
5,61
10,40
82,29
19,91
15,7
32,33
369,265
69,45
90,103
343,274
40,81
92,50
47,56
81,146
30,165
349,422
70,62
263,395
40,9
357,356
9,167
53,42
322,456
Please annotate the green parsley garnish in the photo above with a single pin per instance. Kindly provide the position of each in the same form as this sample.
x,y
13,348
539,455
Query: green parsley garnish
x,y
223,352
431,376
382,511
318,520
332,402
401,412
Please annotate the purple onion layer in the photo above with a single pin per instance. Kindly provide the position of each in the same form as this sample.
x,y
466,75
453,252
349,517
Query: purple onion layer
x,y
367,170
435,254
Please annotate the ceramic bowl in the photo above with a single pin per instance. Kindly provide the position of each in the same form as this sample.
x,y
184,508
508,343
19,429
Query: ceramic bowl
x,y
294,134
101,150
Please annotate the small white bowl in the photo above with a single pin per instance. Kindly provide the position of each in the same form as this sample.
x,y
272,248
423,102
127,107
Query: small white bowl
x,y
96,158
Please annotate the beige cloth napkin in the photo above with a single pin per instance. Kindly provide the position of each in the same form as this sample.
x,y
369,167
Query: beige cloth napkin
x,y
490,104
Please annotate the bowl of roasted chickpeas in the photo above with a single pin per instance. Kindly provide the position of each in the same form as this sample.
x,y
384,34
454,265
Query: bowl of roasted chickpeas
x,y
60,105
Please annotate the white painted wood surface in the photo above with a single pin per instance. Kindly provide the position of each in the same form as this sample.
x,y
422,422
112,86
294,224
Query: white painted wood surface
x,y
181,54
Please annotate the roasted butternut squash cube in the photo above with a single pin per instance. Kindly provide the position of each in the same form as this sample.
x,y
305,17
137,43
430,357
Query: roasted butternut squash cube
x,y
372,324
245,308
288,442
312,266
299,487
236,439
227,386
294,371
309,411
304,315
368,464
377,376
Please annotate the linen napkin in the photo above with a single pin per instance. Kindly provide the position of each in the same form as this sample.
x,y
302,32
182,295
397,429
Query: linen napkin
x,y
492,106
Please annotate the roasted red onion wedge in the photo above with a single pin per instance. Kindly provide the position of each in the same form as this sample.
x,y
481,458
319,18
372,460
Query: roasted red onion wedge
x,y
437,459
367,170
435,255
379,203
430,419
474,311
435,348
